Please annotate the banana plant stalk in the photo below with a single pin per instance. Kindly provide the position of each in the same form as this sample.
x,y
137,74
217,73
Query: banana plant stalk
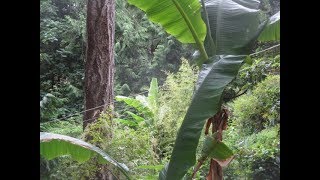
x,y
219,123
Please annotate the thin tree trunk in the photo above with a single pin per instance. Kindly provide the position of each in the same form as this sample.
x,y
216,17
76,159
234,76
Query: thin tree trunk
x,y
99,68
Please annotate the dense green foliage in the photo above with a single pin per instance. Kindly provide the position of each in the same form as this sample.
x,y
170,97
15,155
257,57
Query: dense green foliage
x,y
254,132
144,138
142,50
62,25
139,56
261,108
174,99
145,150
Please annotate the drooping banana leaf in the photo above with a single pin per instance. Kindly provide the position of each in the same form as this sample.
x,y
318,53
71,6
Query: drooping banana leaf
x,y
54,145
272,31
234,25
181,18
205,103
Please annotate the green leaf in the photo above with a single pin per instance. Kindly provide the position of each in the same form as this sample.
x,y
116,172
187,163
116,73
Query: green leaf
x,y
126,122
272,31
216,150
212,80
234,25
153,95
137,104
143,100
135,117
54,145
181,18
155,167
248,60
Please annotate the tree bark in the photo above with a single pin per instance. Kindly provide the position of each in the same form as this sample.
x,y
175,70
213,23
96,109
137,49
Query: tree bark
x,y
99,67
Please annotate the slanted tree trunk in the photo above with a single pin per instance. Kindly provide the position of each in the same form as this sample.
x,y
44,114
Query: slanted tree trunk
x,y
99,68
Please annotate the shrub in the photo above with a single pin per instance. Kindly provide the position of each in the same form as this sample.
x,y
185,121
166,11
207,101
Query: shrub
x,y
253,132
174,100
257,155
260,109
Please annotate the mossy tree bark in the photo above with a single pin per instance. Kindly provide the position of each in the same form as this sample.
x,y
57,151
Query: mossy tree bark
x,y
99,68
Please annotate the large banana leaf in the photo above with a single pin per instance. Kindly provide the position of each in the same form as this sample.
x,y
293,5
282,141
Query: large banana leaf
x,y
181,18
54,145
233,25
272,31
205,103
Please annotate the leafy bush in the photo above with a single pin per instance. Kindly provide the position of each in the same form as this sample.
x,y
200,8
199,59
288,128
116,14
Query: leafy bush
x,y
131,146
134,147
250,75
260,69
253,132
174,99
71,127
63,100
260,109
258,155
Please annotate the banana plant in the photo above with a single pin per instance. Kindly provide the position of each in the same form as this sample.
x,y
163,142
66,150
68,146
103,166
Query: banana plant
x,y
54,145
232,26
148,106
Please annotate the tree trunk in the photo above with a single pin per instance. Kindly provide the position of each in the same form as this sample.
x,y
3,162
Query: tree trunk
x,y
99,68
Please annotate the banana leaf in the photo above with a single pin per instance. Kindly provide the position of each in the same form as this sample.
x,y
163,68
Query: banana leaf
x,y
54,145
180,18
272,31
212,80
